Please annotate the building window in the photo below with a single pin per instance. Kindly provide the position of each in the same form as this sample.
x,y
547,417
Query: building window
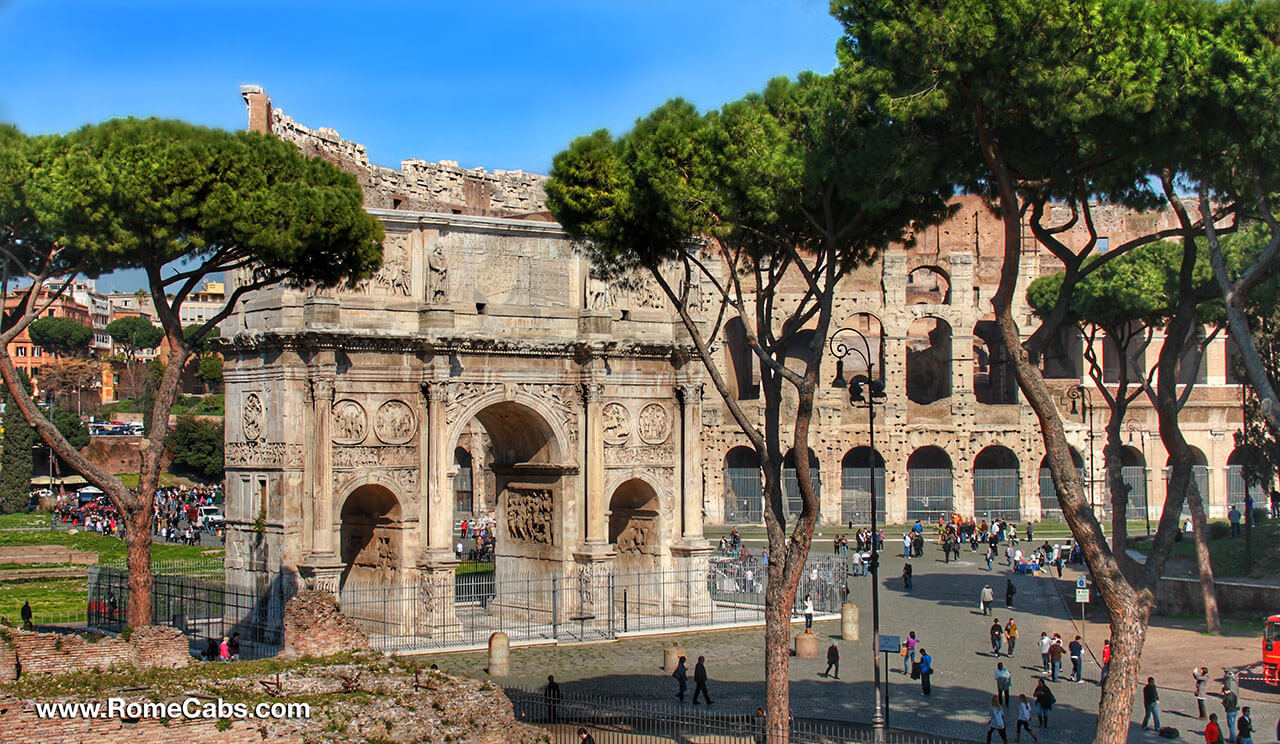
x,y
35,351
22,351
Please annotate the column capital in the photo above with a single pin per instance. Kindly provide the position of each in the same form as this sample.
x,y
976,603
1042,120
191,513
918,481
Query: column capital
x,y
435,391
321,390
690,392
592,391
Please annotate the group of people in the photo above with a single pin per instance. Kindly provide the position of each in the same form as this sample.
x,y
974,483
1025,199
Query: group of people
x,y
484,540
1239,720
98,516
227,650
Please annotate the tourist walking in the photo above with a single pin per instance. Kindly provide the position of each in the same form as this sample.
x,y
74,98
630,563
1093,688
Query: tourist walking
x,y
1244,727
26,616
906,576
1024,720
906,545
1055,657
997,635
995,722
1076,650
1045,643
1201,679
1011,634
551,693
833,661
808,612
584,737
985,598
224,649
1212,734
681,676
700,681
1009,591
1231,706
1106,662
926,671
1151,704
991,554
1044,702
1004,681
909,652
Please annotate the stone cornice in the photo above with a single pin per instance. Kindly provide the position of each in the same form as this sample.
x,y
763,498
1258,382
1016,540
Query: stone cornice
x,y
356,340
400,220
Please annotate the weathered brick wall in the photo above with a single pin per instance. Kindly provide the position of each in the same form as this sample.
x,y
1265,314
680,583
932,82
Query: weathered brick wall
x,y
419,185
21,725
57,653
314,626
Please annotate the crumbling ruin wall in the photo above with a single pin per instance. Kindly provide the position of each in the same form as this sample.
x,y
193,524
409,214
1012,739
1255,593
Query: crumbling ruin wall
x,y
25,652
314,626
418,186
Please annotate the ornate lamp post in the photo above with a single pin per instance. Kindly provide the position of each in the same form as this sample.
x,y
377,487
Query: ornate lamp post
x,y
863,389
1083,394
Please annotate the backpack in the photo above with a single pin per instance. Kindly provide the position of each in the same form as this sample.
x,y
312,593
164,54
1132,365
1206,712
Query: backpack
x,y
915,670
1169,732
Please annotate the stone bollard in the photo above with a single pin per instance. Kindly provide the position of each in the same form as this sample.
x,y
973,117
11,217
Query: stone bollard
x,y
849,621
499,655
806,645
671,656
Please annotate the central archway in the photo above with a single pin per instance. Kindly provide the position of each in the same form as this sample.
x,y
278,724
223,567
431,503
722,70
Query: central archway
x,y
371,547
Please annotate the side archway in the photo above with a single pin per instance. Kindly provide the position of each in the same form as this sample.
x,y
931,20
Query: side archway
x,y
930,484
995,484
633,524
372,554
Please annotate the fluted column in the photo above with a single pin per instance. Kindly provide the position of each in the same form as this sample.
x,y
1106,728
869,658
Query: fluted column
x,y
323,538
592,395
438,496
691,459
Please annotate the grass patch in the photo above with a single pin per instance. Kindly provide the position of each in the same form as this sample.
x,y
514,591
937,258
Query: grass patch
x,y
45,595
22,520
166,479
106,548
199,405
1227,554
474,567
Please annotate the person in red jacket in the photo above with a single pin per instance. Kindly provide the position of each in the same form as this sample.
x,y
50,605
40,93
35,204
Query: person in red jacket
x,y
1212,734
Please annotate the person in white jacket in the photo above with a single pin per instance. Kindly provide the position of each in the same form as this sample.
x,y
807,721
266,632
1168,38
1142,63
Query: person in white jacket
x,y
1024,719
996,721
808,612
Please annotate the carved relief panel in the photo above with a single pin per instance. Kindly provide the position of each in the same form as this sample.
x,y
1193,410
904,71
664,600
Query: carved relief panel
x,y
529,515
350,424
394,423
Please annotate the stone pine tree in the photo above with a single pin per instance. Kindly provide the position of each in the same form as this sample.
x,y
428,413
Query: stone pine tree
x,y
177,202
793,187
15,464
1071,103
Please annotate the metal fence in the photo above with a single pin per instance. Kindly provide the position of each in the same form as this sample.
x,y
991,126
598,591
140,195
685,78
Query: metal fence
x,y
578,607
791,491
1135,477
619,721
1200,474
929,493
995,494
855,498
743,496
210,567
202,609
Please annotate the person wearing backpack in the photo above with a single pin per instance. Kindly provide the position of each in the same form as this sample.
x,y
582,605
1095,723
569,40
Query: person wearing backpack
x,y
1004,681
926,671
1044,703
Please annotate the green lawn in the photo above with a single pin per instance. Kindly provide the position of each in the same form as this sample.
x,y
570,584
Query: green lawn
x,y
22,520
45,596
1227,554
186,405
107,548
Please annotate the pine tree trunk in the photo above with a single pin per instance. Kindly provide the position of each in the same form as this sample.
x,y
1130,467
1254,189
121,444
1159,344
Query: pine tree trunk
x,y
1111,458
138,539
1128,634
1208,588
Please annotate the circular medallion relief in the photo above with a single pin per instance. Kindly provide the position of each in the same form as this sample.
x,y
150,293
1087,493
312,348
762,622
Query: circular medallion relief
x,y
252,416
616,422
349,422
654,423
394,422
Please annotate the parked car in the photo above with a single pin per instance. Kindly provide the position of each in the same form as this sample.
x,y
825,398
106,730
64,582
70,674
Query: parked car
x,y
211,515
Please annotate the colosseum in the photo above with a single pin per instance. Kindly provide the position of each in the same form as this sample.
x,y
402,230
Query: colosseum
x,y
484,371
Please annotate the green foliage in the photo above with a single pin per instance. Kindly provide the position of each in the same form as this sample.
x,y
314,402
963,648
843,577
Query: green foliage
x,y
135,334
71,427
209,370
197,445
155,374
60,335
200,343
15,462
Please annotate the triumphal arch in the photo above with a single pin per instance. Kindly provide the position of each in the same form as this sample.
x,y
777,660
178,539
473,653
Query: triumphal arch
x,y
481,353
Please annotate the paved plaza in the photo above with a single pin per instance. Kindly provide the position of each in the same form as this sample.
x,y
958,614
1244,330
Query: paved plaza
x,y
942,608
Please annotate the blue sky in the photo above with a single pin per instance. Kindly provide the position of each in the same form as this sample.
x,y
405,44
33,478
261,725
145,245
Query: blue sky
x,y
492,84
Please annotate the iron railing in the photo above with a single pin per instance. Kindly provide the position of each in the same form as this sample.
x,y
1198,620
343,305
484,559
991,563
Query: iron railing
x,y
929,493
995,494
855,501
617,721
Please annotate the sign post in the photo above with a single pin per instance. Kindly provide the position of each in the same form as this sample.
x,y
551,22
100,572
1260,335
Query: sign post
x,y
887,644
1082,598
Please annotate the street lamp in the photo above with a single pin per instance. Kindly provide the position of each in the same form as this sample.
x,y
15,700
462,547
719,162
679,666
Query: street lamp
x,y
863,389
1083,394
1132,427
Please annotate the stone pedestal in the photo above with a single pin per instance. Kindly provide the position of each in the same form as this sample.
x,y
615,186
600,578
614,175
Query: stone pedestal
x,y
691,597
671,657
499,655
806,645
591,600
436,616
321,572
849,621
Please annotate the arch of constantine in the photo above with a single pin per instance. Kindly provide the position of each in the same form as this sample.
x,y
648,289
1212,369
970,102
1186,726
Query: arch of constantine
x,y
484,371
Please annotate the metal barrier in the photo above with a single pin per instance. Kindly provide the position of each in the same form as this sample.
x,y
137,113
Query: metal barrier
x,y
929,493
995,494
618,721
855,501
743,496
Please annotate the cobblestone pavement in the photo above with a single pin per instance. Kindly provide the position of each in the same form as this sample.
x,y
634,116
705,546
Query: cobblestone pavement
x,y
942,608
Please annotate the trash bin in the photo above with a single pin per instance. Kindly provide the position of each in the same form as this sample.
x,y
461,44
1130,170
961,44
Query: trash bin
x,y
1231,680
